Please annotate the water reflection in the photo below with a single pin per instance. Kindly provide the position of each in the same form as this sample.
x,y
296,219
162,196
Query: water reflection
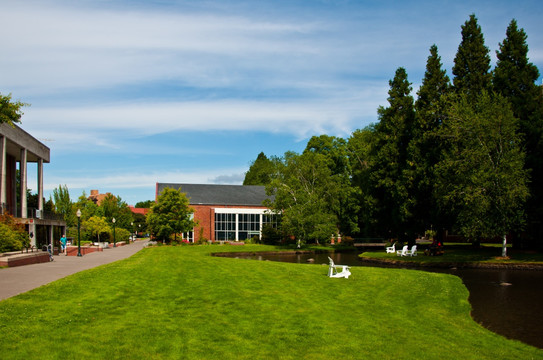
x,y
504,301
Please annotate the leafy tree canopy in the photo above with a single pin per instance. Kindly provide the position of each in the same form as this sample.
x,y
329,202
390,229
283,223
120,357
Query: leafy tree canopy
x,y
307,196
96,226
170,215
481,177
144,204
10,111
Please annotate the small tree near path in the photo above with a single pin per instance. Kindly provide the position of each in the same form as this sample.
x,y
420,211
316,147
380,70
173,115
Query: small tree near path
x,y
97,225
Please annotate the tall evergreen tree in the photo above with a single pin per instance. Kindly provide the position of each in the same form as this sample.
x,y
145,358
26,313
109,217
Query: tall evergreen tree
x,y
260,171
472,61
435,84
393,134
426,148
514,77
63,204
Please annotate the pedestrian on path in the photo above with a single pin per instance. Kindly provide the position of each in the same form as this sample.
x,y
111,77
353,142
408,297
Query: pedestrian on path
x,y
63,241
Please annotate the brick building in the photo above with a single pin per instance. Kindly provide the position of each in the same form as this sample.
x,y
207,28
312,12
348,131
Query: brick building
x,y
96,197
224,212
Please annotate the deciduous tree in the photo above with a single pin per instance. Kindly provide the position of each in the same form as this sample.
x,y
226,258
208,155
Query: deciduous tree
x,y
10,111
481,176
96,226
334,150
360,147
514,77
305,194
170,215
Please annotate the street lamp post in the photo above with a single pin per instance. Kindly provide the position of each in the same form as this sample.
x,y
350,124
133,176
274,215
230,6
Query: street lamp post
x,y
131,228
114,239
78,213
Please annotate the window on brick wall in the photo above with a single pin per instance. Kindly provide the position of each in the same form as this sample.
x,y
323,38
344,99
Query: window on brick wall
x,y
225,226
249,226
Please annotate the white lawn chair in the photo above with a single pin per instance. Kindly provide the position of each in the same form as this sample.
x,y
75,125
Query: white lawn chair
x,y
413,251
391,249
403,251
333,272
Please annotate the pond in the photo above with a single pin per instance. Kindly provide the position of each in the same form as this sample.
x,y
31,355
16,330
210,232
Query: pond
x,y
504,301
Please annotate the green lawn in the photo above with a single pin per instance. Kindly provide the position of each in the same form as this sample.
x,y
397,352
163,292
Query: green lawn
x,y
463,254
180,303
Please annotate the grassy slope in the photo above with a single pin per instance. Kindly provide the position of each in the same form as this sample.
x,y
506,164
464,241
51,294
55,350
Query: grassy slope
x,y
178,303
464,254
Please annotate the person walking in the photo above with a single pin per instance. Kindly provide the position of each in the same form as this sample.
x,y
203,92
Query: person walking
x,y
63,241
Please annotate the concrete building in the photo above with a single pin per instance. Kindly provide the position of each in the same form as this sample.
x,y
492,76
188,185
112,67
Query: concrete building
x,y
224,212
17,147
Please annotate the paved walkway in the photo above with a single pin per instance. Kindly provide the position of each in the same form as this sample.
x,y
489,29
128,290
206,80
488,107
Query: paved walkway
x,y
20,279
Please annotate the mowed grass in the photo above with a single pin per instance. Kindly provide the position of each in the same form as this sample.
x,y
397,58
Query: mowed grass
x,y
463,254
181,303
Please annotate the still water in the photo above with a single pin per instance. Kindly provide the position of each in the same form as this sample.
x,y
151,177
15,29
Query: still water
x,y
507,302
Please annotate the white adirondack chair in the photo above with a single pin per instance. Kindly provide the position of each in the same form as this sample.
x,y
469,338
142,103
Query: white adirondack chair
x,y
403,251
333,270
413,251
391,249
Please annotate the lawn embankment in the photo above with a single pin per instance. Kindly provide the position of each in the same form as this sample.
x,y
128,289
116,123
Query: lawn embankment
x,y
461,256
180,303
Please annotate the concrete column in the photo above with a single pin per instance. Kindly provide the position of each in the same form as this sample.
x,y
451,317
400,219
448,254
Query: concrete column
x,y
32,230
22,173
51,235
40,185
3,169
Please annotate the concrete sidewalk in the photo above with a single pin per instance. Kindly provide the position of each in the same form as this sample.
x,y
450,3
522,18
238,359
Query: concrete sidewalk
x,y
20,279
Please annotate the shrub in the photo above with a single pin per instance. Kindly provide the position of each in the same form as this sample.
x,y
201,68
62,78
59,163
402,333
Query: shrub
x,y
347,241
271,235
13,236
120,235
202,240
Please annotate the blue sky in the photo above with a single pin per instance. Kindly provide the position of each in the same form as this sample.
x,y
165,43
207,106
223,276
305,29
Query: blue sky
x,y
130,93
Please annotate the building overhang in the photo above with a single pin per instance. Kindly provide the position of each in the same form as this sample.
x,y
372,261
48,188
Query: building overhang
x,y
18,139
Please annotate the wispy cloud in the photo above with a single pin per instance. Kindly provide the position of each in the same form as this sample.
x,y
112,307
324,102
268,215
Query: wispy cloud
x,y
126,82
88,125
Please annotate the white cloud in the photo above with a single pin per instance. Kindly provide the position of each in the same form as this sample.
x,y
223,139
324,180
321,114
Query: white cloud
x,y
89,125
110,80
62,48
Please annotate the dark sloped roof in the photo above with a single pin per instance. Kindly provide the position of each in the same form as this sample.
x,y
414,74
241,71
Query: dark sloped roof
x,y
207,194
